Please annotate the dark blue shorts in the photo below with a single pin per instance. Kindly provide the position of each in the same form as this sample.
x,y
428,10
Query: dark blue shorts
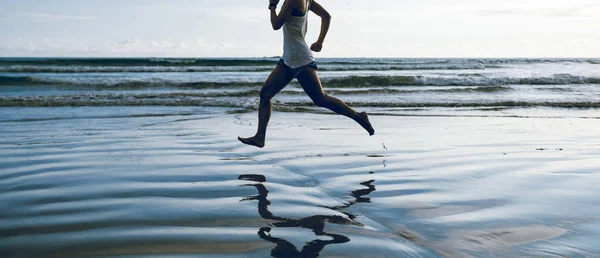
x,y
296,71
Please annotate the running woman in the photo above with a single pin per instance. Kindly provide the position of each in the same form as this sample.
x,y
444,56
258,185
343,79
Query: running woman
x,y
298,63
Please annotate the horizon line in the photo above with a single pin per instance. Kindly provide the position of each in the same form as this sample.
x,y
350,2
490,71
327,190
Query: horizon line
x,y
271,57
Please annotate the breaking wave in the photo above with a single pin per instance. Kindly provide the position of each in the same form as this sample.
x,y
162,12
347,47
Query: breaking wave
x,y
340,82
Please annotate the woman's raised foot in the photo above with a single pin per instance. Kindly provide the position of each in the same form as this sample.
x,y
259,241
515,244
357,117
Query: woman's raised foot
x,y
365,123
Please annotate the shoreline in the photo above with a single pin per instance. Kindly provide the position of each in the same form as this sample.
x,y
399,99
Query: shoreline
x,y
182,184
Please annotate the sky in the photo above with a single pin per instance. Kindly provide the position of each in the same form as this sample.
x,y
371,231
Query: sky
x,y
241,28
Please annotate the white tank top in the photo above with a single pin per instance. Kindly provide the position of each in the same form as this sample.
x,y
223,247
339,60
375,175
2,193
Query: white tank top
x,y
296,53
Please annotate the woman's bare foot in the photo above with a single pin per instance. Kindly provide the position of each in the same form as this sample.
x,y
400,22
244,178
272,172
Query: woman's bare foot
x,y
365,123
254,141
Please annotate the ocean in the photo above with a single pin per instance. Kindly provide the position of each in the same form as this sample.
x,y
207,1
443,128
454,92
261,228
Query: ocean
x,y
103,157
387,86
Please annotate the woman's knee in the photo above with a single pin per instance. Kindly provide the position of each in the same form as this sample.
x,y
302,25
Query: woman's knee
x,y
321,101
266,94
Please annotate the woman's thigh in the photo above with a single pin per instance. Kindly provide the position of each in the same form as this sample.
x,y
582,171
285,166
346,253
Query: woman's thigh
x,y
277,80
309,80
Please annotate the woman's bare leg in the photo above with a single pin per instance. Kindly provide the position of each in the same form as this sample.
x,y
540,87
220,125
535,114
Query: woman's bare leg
x,y
278,79
311,84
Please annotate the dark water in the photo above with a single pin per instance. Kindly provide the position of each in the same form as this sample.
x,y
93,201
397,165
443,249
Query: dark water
x,y
480,87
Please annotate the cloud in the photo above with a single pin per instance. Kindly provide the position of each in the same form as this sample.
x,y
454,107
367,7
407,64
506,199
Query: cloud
x,y
202,43
133,47
231,13
163,44
556,12
17,45
242,14
47,17
8,47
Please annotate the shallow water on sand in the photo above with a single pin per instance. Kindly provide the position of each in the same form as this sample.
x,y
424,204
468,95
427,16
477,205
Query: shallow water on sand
x,y
155,182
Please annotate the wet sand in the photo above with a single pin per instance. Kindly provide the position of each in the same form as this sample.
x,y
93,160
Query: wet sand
x,y
156,184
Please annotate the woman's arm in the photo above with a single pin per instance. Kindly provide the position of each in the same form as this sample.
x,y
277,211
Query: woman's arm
x,y
325,21
277,21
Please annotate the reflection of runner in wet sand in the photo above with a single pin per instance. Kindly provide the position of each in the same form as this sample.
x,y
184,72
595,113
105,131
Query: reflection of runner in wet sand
x,y
316,223
285,249
298,62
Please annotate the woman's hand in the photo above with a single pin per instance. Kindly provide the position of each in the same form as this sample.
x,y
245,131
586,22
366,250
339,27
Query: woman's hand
x,y
325,21
316,47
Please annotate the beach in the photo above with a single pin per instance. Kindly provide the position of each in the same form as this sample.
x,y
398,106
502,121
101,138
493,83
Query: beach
x,y
174,181
405,129
139,157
